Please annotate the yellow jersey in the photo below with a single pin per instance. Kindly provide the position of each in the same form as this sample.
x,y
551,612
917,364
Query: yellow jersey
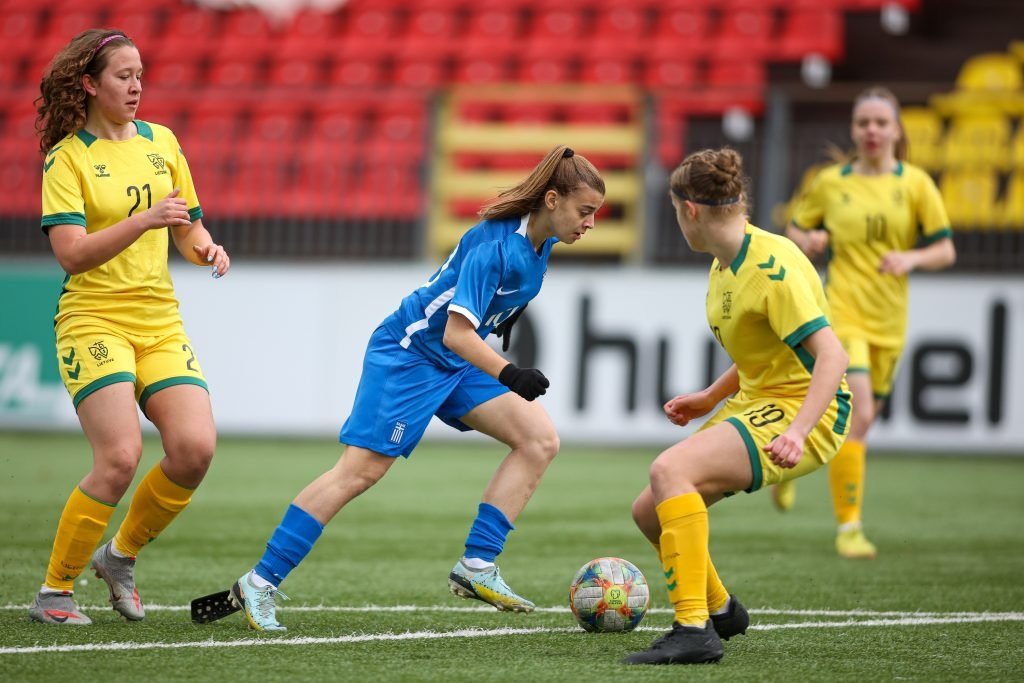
x,y
867,217
96,183
761,307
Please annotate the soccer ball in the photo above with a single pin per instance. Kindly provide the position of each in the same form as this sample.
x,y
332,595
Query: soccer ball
x,y
609,594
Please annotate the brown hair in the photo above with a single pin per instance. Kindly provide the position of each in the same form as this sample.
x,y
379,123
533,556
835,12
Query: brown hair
x,y
561,170
878,92
712,177
61,104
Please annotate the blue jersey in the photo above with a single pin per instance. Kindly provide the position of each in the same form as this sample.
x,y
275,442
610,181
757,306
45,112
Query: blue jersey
x,y
493,271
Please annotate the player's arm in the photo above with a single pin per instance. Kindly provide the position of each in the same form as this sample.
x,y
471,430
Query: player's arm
x,y
78,251
830,362
935,256
196,245
681,409
460,337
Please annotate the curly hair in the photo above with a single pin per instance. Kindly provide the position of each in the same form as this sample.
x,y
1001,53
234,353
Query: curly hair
x,y
61,107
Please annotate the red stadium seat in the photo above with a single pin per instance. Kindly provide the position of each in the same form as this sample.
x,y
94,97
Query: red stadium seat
x,y
810,31
296,72
309,34
608,70
473,71
19,30
419,73
546,70
143,26
167,76
491,34
357,72
681,34
744,34
670,73
246,33
369,32
339,123
558,33
429,34
748,73
234,73
191,27
621,31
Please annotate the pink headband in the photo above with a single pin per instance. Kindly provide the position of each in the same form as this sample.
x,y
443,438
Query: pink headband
x,y
107,40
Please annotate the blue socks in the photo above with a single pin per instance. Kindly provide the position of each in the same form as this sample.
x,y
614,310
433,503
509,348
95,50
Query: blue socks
x,y
487,536
291,542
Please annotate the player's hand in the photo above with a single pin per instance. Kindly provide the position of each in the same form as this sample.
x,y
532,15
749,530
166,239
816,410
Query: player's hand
x,y
681,409
170,211
897,263
527,382
786,449
815,243
504,329
216,256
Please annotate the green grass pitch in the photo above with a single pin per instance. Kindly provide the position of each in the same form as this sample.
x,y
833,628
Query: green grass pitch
x,y
943,601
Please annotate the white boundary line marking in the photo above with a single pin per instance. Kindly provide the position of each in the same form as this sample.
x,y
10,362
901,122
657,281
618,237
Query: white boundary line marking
x,y
1009,616
468,633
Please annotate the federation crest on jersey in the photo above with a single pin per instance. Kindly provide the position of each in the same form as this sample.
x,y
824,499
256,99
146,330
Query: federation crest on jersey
x,y
398,432
726,305
159,163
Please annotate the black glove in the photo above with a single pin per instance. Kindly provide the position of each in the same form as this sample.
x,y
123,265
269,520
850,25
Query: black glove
x,y
504,329
527,382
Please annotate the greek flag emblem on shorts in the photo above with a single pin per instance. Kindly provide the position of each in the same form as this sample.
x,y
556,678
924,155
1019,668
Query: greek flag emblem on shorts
x,y
397,432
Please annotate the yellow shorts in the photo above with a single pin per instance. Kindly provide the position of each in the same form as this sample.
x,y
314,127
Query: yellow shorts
x,y
92,354
879,362
759,419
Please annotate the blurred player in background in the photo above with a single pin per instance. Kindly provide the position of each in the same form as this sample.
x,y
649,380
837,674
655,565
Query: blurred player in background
x,y
787,415
429,358
869,213
112,186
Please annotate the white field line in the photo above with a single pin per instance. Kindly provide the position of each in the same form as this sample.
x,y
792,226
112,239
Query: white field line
x,y
1009,616
472,633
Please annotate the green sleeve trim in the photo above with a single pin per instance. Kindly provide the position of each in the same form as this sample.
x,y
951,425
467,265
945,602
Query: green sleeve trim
x,y
63,218
857,368
144,130
944,233
92,387
805,357
741,256
804,331
95,499
752,452
880,397
195,213
169,382
843,412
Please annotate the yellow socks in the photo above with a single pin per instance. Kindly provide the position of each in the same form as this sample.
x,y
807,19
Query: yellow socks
x,y
846,479
684,556
717,595
79,531
157,501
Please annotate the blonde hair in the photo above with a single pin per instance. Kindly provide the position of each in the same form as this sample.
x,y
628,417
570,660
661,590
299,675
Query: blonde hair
x,y
561,170
714,178
61,105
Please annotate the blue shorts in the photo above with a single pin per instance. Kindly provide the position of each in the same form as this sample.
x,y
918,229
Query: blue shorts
x,y
401,390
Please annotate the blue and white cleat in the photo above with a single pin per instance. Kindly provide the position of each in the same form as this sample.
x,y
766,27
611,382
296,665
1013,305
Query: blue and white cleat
x,y
488,586
258,603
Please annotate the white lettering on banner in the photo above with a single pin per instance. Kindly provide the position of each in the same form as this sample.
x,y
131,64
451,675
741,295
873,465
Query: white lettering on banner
x,y
614,342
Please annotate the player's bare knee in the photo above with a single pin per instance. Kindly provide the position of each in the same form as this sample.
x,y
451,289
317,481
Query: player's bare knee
x,y
116,466
542,447
191,455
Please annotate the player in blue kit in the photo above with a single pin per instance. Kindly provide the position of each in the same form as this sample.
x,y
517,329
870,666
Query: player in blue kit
x,y
429,358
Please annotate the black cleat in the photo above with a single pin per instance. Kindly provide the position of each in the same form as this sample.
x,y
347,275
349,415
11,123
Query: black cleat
x,y
682,645
732,623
